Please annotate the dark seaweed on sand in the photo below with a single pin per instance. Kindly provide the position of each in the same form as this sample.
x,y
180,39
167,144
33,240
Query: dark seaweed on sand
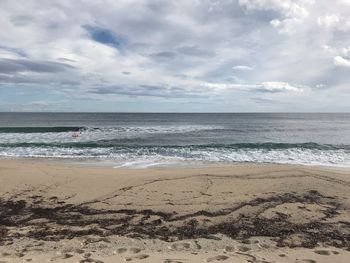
x,y
53,220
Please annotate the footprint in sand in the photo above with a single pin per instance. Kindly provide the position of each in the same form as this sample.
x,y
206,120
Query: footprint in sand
x,y
20,255
264,246
121,250
140,256
217,258
61,256
243,248
38,249
172,261
248,257
307,260
250,241
229,249
90,260
326,252
180,246
79,251
233,249
257,242
323,252
132,250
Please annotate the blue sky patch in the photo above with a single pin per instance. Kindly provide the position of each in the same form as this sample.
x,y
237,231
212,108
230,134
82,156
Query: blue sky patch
x,y
105,36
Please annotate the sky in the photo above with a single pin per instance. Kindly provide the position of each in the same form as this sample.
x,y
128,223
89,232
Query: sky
x,y
175,55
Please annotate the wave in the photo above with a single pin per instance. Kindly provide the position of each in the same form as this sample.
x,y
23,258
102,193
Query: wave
x,y
158,144
117,144
301,153
156,128
41,129
87,134
181,155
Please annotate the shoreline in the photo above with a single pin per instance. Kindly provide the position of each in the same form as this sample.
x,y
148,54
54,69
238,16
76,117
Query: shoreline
x,y
107,163
226,210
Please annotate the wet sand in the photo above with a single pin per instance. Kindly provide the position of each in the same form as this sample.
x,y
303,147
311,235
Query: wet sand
x,y
55,212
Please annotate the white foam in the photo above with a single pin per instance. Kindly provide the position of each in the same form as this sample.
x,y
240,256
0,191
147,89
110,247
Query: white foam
x,y
140,164
157,156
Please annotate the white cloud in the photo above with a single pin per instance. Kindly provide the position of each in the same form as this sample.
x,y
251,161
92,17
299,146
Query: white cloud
x,y
334,21
341,62
280,86
286,26
270,86
293,12
345,51
289,8
328,48
328,20
321,86
340,55
242,67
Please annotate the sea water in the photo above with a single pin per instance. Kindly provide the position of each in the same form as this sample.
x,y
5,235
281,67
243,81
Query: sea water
x,y
161,139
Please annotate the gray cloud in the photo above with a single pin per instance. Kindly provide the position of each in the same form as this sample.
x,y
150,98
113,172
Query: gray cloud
x,y
267,101
21,20
146,91
163,55
16,51
8,66
180,49
195,51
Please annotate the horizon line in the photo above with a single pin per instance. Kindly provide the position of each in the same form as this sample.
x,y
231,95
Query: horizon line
x,y
194,112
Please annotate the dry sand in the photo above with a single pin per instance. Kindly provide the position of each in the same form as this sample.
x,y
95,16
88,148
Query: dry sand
x,y
54,212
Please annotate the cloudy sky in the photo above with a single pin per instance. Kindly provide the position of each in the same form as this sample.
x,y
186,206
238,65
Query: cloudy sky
x,y
181,55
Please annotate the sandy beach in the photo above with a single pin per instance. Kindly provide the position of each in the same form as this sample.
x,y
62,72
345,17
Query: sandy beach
x,y
175,131
55,212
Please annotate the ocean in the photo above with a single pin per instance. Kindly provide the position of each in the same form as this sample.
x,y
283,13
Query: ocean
x,y
166,139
